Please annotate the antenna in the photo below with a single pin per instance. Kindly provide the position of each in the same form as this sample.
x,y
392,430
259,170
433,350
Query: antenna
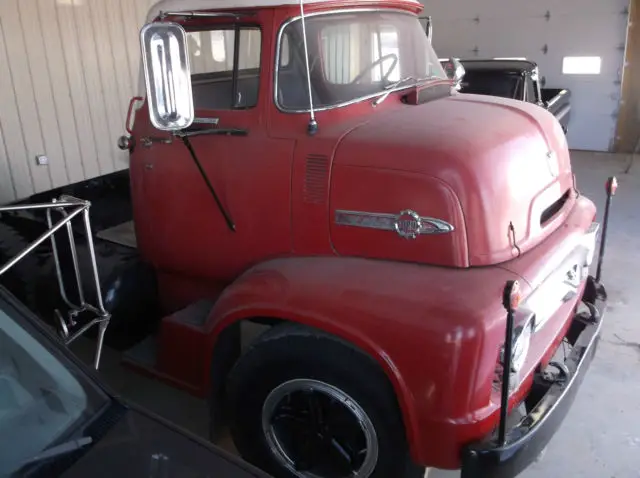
x,y
313,124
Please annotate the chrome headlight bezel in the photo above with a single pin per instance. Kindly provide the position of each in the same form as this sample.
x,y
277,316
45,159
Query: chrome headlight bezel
x,y
522,336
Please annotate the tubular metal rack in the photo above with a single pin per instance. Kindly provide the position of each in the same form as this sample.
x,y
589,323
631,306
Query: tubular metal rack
x,y
69,208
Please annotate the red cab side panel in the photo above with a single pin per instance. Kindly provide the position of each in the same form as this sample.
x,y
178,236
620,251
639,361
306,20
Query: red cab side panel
x,y
373,191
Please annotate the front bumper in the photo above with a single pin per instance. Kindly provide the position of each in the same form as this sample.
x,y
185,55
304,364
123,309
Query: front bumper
x,y
526,440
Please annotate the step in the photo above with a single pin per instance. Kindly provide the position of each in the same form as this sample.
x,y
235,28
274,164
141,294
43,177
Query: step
x,y
177,353
144,353
123,234
194,315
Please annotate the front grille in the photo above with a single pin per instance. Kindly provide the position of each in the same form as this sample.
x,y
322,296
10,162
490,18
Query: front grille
x,y
554,209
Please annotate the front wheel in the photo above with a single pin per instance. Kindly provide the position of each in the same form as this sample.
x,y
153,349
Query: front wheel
x,y
304,404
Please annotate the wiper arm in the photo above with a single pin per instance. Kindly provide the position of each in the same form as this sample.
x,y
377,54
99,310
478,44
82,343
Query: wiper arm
x,y
393,86
59,450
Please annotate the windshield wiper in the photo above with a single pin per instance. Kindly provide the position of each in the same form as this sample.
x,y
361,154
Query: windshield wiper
x,y
390,88
59,450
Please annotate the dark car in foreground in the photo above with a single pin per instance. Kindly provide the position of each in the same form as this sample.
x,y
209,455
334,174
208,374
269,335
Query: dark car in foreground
x,y
58,420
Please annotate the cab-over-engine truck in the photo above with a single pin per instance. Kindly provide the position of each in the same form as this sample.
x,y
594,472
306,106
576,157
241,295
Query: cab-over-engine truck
x,y
419,255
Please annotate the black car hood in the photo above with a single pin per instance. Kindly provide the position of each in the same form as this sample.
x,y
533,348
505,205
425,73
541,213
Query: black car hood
x,y
141,445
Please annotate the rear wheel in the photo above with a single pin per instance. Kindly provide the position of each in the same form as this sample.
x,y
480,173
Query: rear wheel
x,y
305,404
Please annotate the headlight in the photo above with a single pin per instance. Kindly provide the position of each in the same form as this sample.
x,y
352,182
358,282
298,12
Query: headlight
x,y
589,241
521,343
521,346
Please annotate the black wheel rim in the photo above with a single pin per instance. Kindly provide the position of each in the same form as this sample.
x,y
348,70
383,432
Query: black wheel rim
x,y
316,430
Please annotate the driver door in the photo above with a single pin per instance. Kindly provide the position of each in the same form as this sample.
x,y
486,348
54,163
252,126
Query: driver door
x,y
250,172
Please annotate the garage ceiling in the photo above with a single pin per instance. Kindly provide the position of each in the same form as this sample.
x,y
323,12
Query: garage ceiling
x,y
547,31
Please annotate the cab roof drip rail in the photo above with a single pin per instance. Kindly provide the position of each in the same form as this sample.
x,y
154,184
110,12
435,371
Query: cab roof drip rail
x,y
188,15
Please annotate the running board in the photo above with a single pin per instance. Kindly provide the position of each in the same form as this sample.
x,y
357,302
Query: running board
x,y
123,234
176,354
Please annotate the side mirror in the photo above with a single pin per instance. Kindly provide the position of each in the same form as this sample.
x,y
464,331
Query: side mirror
x,y
455,71
167,74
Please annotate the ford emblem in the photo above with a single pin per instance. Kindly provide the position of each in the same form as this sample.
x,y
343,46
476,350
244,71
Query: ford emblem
x,y
408,224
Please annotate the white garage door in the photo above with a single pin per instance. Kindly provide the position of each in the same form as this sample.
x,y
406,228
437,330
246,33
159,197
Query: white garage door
x,y
547,32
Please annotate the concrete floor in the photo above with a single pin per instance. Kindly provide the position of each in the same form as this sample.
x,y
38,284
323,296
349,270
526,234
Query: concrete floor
x,y
601,435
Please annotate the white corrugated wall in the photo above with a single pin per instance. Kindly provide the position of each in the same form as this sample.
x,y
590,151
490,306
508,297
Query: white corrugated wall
x,y
67,71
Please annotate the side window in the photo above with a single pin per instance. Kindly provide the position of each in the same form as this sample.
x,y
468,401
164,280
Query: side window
x,y
219,82
285,52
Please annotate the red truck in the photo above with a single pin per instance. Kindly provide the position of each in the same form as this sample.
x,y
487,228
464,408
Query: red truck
x,y
419,256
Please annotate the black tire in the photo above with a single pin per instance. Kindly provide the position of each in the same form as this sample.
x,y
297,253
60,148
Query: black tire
x,y
289,352
20,279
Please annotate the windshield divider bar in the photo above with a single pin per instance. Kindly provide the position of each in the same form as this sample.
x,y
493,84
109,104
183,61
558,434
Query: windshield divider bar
x,y
236,67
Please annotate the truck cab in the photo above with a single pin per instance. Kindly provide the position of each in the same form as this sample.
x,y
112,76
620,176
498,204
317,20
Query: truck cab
x,y
311,168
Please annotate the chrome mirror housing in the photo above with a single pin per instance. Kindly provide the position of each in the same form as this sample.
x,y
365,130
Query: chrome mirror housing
x,y
167,74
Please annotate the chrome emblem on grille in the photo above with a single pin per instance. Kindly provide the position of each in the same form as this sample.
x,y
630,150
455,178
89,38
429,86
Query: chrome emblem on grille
x,y
408,224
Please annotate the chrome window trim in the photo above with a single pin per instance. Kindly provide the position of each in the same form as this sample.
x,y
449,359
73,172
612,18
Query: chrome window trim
x,y
317,14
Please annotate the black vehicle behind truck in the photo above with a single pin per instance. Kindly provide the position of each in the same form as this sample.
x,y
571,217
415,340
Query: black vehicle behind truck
x,y
518,79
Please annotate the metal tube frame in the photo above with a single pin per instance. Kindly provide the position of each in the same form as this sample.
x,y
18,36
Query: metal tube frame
x,y
69,208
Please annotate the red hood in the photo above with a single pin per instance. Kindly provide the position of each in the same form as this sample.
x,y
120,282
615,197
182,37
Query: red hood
x,y
496,161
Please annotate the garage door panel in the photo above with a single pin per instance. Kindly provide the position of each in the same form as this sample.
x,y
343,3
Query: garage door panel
x,y
574,7
497,38
442,10
584,34
590,133
483,10
447,43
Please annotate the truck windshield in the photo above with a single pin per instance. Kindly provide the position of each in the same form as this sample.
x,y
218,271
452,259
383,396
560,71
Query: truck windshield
x,y
43,396
352,56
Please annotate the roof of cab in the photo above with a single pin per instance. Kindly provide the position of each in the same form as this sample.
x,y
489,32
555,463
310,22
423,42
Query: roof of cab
x,y
195,5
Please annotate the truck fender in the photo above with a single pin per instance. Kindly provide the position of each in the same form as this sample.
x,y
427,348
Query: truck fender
x,y
300,290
